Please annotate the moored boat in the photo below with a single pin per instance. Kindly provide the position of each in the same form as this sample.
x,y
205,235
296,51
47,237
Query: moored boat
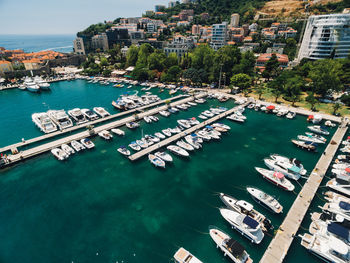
x,y
183,256
276,178
305,145
318,129
164,156
156,161
124,151
118,132
101,111
77,146
178,150
67,149
265,200
59,154
87,143
105,135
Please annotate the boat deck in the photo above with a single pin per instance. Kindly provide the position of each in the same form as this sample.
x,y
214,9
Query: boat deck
x,y
178,136
279,246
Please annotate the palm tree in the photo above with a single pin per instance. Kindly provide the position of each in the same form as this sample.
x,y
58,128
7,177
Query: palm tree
x,y
260,89
336,107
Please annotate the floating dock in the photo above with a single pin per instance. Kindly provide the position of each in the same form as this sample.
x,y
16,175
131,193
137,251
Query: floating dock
x,y
178,136
279,246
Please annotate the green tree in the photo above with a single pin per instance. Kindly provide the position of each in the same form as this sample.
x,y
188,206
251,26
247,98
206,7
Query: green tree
x,y
132,55
156,60
171,60
260,90
312,100
292,88
173,74
336,107
246,65
242,81
272,68
145,51
202,58
140,73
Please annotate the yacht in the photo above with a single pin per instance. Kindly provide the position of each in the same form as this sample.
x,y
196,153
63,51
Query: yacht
x,y
77,116
87,143
287,168
328,229
229,246
204,135
334,197
184,123
60,118
193,139
101,111
89,114
178,151
105,135
244,224
41,83
118,132
276,178
142,143
316,136
340,185
235,118
208,114
340,208
160,135
265,200
135,146
328,249
167,132
124,151
43,122
246,208
291,161
305,145
31,85
164,156
67,149
221,125
77,146
318,129
132,125
183,256
156,161
59,154
164,113
309,139
185,145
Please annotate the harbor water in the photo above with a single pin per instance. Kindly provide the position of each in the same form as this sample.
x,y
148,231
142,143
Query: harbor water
x,y
100,207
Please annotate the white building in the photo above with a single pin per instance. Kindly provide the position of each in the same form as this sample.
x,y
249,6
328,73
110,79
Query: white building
x,y
180,45
100,41
326,36
78,44
234,20
219,36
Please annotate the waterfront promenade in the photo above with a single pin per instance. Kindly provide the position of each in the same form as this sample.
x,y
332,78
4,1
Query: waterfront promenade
x,y
279,246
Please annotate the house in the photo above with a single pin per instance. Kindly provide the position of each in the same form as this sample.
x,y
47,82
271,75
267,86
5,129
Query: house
x,y
263,58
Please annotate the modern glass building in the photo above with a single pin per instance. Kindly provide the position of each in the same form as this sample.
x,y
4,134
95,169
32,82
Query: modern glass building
x,y
219,36
326,36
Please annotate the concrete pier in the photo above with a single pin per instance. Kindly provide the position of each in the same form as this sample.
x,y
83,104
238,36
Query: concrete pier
x,y
280,244
178,136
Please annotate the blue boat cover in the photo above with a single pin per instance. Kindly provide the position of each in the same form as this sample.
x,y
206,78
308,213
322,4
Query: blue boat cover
x,y
344,205
338,230
250,222
295,169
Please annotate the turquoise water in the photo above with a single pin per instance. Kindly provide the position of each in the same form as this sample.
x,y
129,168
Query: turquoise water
x,y
100,207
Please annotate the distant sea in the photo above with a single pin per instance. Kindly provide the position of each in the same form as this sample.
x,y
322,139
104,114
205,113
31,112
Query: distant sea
x,y
34,43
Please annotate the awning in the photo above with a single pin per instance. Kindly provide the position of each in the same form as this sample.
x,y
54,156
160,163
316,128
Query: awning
x,y
270,107
347,170
310,117
278,175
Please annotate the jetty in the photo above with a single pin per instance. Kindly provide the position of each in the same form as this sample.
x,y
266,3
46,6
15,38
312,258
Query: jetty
x,y
279,246
178,136
26,154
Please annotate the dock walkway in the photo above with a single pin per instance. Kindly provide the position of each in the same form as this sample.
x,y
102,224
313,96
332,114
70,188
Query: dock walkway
x,y
279,246
78,136
77,127
178,136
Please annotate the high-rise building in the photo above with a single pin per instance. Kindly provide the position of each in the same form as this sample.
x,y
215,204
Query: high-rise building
x,y
234,20
196,29
100,41
219,35
326,36
78,46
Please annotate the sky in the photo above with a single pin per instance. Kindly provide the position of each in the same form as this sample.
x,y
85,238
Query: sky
x,y
39,17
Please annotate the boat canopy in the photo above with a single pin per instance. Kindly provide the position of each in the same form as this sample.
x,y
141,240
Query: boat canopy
x,y
278,175
344,205
339,230
347,170
295,169
270,107
235,248
250,222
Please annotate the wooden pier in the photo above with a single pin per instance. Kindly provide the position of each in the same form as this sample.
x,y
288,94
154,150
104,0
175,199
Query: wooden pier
x,y
279,246
22,155
178,136
84,125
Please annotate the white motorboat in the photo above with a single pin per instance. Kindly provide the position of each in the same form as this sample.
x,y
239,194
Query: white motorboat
x,y
59,154
183,256
287,168
201,116
212,133
265,200
316,119
328,249
317,136
167,132
89,114
200,101
341,208
156,161
244,224
164,156
67,149
291,115
77,146
340,185
152,138
329,228
147,119
305,145
164,113
318,129
221,125
185,145
154,118
87,143
309,139
135,146
193,140
329,124
124,151
204,135
77,116
192,103
132,125
184,123
118,132
160,135
41,83
43,122
101,111
178,150
208,114
143,143
105,135
31,85
60,118
276,178
229,246
235,118
175,130
243,207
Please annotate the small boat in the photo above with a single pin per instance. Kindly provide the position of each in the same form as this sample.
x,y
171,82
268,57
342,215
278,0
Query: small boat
x,y
105,135
203,117
200,101
160,135
183,256
265,200
276,178
184,123
221,125
204,135
164,113
286,167
192,103
291,115
77,146
164,156
89,114
305,145
329,124
124,151
313,135
135,146
178,151
77,116
118,132
235,118
152,138
309,139
175,130
87,143
67,149
101,111
167,132
142,143
229,246
147,119
132,125
185,145
318,129
214,134
208,114
59,154
154,118
193,140
156,161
